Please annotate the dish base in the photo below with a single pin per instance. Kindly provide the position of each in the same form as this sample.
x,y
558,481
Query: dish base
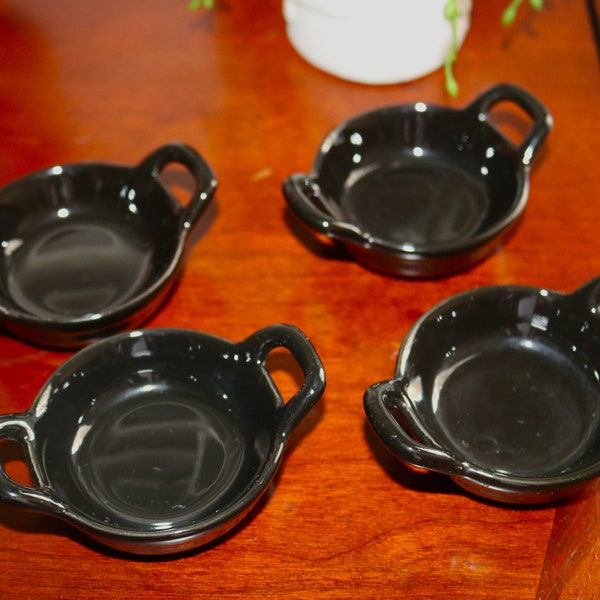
x,y
160,458
79,266
520,408
417,201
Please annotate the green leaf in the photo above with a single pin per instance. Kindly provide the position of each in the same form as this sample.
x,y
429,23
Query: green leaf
x,y
196,4
509,15
451,11
510,12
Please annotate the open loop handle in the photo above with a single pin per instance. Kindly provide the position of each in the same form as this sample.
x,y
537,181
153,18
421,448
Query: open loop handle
x,y
16,428
589,295
302,195
260,345
400,442
204,177
542,120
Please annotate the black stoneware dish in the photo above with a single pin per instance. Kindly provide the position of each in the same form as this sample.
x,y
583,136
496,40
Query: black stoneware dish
x,y
160,440
89,249
418,190
499,389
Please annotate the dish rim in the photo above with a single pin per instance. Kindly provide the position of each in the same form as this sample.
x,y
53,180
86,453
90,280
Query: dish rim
x,y
20,427
433,454
73,331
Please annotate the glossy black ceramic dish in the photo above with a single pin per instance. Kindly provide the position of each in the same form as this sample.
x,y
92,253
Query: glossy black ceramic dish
x,y
500,389
420,190
158,441
90,249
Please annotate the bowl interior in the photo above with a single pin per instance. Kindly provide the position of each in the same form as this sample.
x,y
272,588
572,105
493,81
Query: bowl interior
x,y
81,240
421,175
155,432
508,380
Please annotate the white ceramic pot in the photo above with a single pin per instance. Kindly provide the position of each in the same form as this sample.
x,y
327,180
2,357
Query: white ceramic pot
x,y
373,41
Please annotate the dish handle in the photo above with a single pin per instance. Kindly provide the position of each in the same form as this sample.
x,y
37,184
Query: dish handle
x,y
204,177
17,429
588,295
377,399
261,343
303,194
542,119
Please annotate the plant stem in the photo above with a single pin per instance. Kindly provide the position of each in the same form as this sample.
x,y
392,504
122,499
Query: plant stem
x,y
451,12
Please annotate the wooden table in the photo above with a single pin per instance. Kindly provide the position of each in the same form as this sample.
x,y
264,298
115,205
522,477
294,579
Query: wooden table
x,y
113,80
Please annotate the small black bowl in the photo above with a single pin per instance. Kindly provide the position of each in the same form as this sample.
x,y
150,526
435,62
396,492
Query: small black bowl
x,y
160,440
90,249
500,389
420,190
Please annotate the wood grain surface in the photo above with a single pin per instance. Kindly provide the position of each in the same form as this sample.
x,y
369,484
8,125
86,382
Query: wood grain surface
x,y
111,81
